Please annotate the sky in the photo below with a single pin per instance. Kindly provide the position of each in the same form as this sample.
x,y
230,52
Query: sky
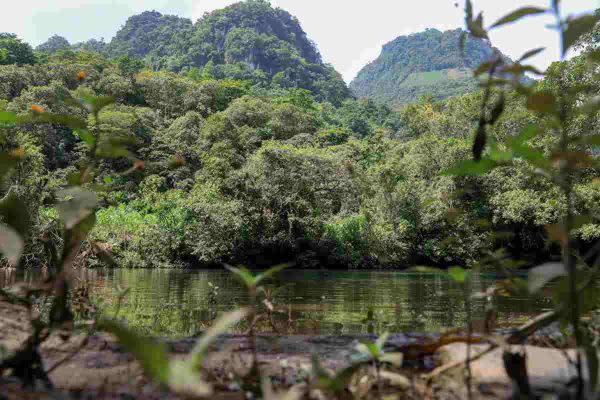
x,y
348,33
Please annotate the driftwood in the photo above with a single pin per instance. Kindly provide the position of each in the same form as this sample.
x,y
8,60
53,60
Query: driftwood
x,y
517,337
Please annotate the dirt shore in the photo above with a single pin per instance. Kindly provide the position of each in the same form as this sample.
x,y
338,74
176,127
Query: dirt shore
x,y
97,367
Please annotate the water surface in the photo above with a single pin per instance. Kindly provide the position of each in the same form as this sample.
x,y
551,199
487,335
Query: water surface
x,y
183,302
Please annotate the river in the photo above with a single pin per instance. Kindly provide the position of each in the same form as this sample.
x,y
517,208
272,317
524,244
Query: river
x,y
176,303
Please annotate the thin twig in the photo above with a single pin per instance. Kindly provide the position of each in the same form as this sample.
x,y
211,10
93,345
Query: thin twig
x,y
469,377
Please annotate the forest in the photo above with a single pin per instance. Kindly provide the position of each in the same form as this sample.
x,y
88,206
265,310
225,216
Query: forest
x,y
208,165
205,209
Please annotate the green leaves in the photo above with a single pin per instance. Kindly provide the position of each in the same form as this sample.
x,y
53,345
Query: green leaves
x,y
458,274
86,136
539,276
244,275
58,119
11,244
369,349
475,26
374,351
528,133
224,323
526,152
114,147
272,271
593,56
339,382
575,28
7,163
252,281
483,68
530,53
468,11
471,167
151,355
381,340
186,381
14,213
96,103
8,118
462,41
588,295
77,204
518,14
521,149
182,376
15,218
336,383
519,70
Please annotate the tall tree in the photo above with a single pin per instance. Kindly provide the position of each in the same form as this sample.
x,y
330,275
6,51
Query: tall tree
x,y
14,51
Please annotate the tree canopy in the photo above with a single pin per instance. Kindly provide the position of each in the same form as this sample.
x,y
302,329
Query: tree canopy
x,y
14,51
242,158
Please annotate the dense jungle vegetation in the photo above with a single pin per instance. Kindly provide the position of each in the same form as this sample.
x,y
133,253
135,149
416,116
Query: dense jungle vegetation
x,y
235,143
159,156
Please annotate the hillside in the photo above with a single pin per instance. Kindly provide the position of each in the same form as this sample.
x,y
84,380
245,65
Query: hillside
x,y
248,40
153,36
195,170
423,63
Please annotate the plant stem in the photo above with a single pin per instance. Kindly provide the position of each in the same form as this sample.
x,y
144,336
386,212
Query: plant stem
x,y
469,378
379,381
570,265
566,184
252,332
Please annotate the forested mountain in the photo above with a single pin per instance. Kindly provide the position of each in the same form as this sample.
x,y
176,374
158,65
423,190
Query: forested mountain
x,y
53,44
238,162
425,63
249,41
159,39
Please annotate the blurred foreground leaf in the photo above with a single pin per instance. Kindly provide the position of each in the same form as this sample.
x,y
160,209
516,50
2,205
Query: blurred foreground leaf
x,y
539,276
471,167
518,14
11,244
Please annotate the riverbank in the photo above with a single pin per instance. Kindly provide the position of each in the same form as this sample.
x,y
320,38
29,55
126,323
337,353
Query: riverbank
x,y
100,369
96,366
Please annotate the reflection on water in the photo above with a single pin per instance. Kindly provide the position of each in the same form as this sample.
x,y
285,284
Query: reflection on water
x,y
182,303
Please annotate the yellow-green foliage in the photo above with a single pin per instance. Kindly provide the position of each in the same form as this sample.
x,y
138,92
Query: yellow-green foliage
x,y
235,172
